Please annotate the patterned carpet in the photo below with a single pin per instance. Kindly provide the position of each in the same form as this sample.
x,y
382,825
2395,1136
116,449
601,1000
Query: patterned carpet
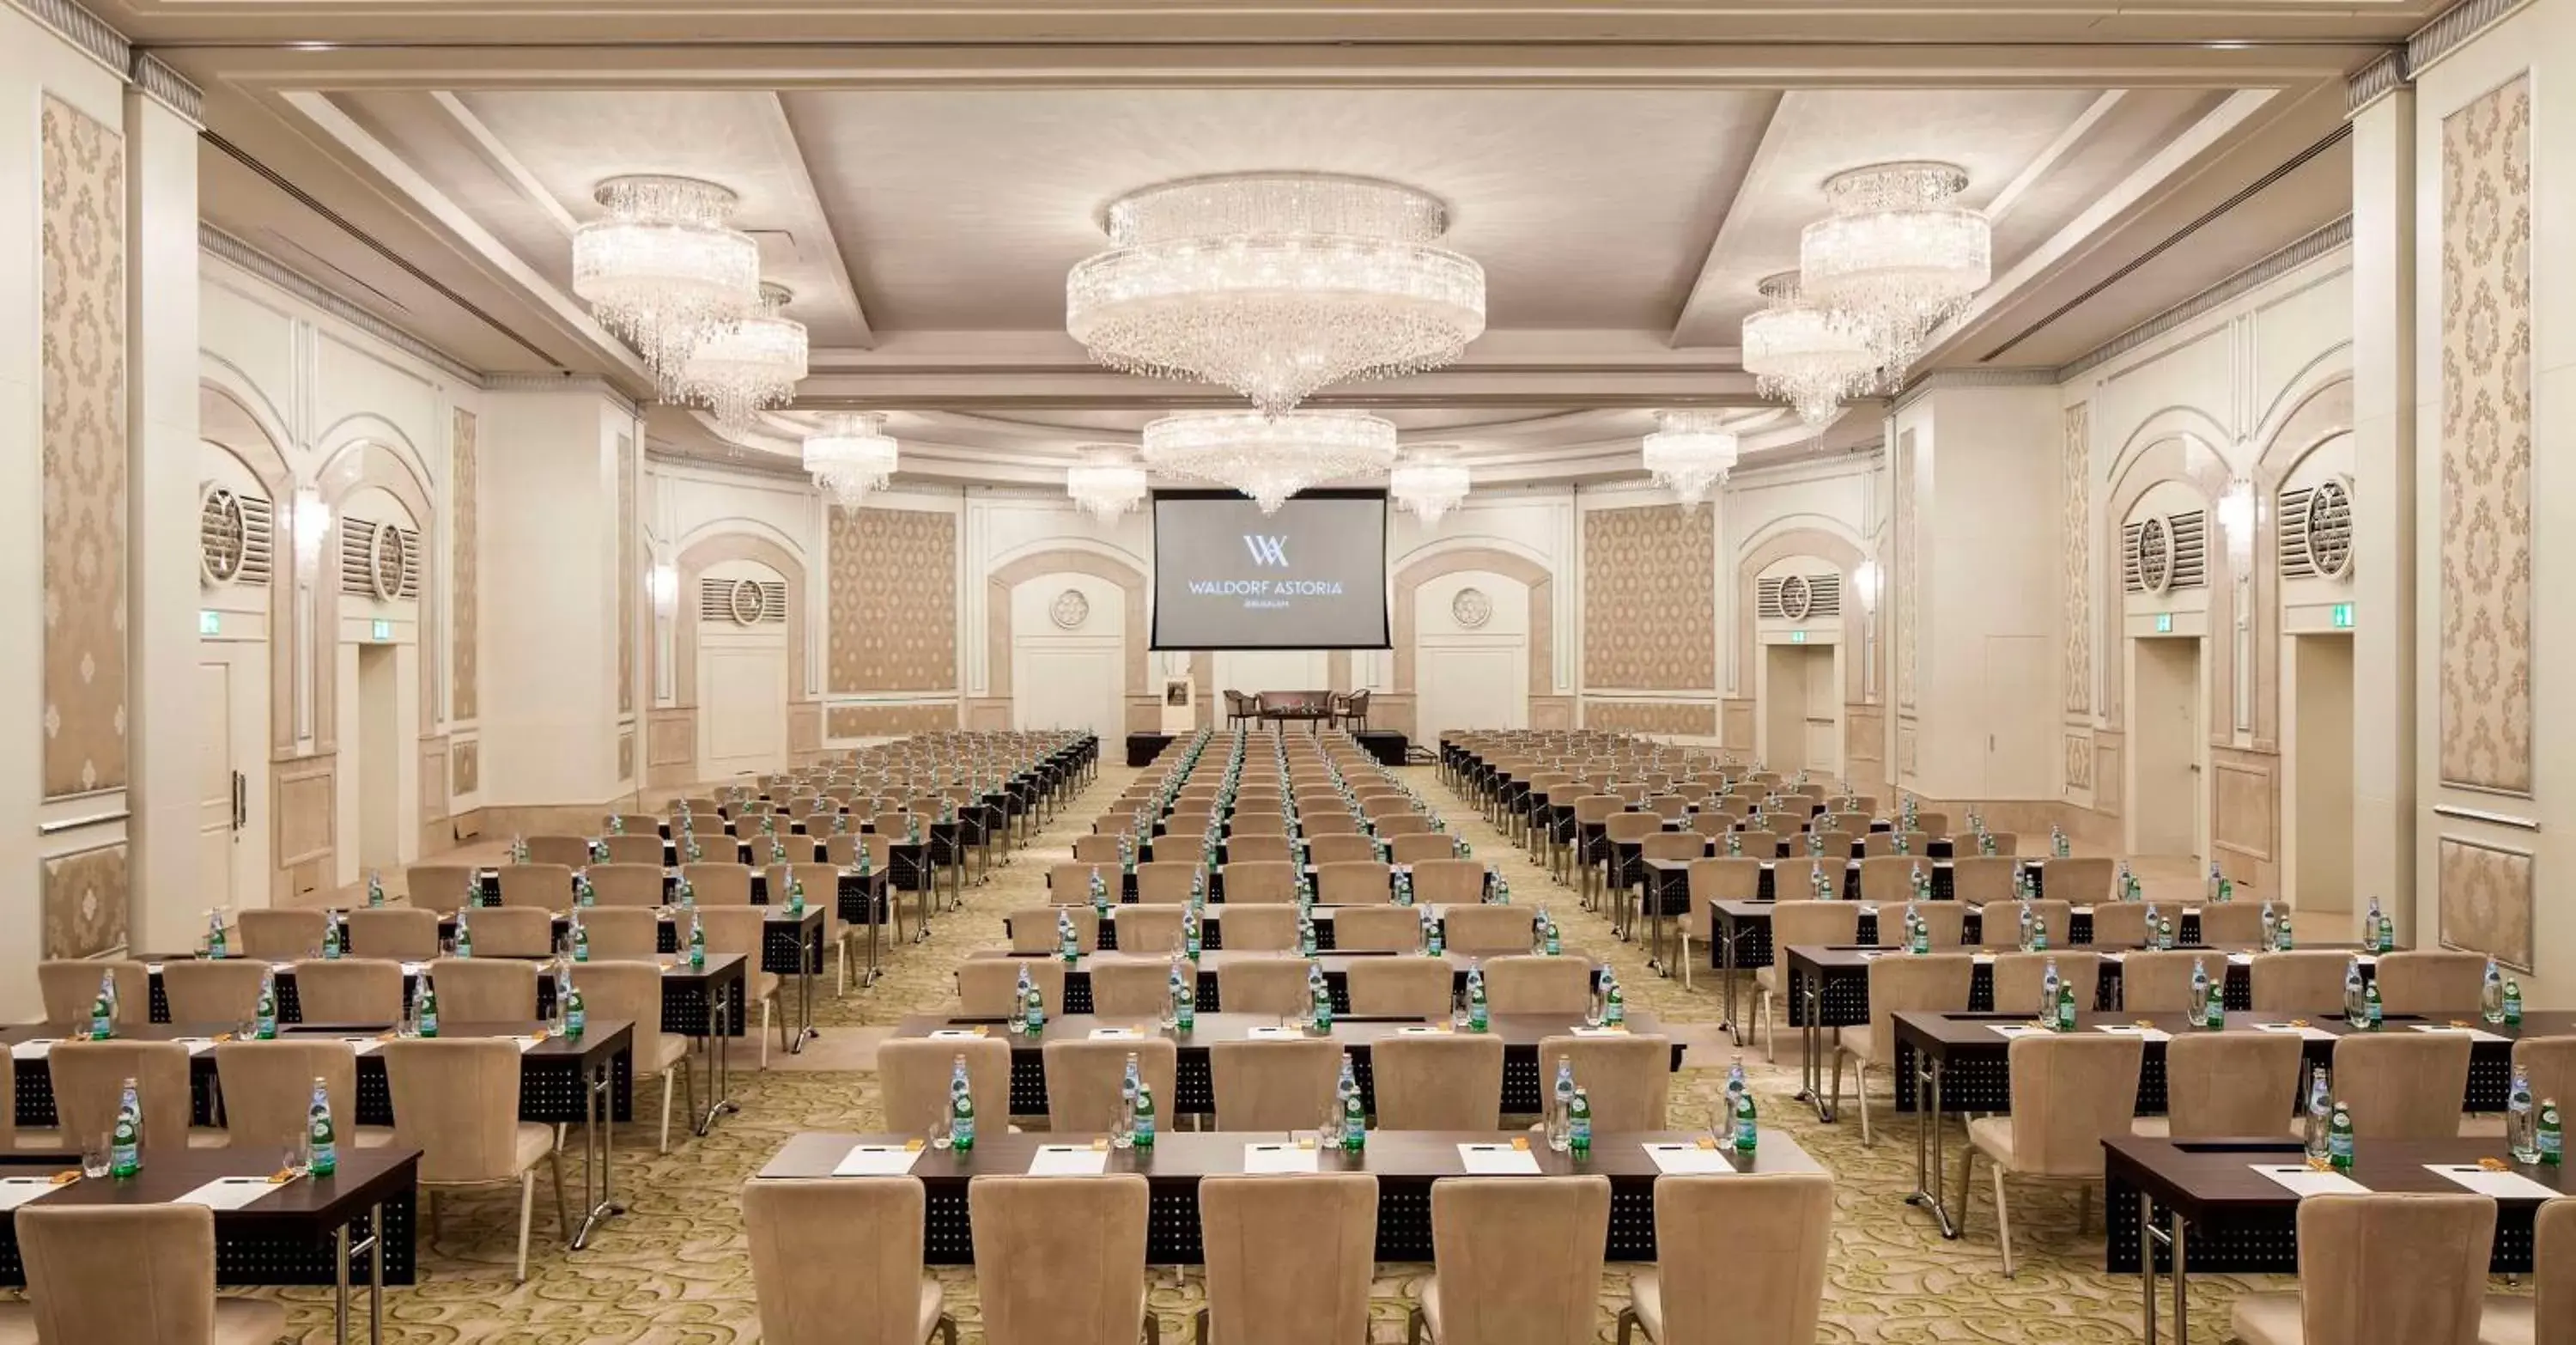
x,y
673,1270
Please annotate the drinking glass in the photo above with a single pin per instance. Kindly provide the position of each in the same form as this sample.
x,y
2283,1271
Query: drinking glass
x,y
939,1136
1592,1010
1458,1011
94,1155
295,1157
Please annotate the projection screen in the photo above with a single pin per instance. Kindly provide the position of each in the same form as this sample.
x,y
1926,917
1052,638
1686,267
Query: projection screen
x,y
1312,576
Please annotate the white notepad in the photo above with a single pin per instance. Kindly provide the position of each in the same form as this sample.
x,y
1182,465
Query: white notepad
x,y
2307,1181
1497,1160
2501,1185
362,1045
1116,1034
1981,959
2133,1030
1068,1160
413,968
17,1191
875,1160
1422,1030
37,1049
2475,1034
1688,1158
1279,1158
196,1045
2018,1030
228,1193
528,1043
1605,1030
955,1034
2305,1033
1273,1032
2240,959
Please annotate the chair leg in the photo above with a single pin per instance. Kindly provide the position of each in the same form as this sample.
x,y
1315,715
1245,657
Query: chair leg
x,y
1413,1326
2003,1221
1686,960
1627,1323
666,1109
1967,1193
563,1211
1834,1098
948,1328
1770,1042
527,1205
1861,1090
764,1034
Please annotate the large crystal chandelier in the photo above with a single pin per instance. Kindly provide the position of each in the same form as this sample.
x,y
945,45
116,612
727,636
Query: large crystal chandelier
x,y
664,270
1276,285
748,365
1429,482
1898,256
1805,356
1690,453
1107,481
1269,458
851,456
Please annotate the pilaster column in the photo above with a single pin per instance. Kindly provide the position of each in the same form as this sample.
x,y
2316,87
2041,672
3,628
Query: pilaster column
x,y
2384,650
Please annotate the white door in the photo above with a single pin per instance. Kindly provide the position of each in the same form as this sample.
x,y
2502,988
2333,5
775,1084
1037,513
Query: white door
x,y
1824,709
1470,654
219,788
1069,654
742,707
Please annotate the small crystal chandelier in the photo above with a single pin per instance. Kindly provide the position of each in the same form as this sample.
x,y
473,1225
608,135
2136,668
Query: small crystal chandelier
x,y
1804,355
664,270
1429,482
1107,482
1269,458
1898,256
1692,452
748,365
1276,285
851,456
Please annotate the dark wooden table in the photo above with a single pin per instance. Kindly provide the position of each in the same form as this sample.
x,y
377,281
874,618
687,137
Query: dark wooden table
x,y
1405,1162
2186,1205
1212,927
314,1230
1520,1035
1077,978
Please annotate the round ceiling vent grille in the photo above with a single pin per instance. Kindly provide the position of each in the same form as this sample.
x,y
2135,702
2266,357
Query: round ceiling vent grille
x,y
2155,555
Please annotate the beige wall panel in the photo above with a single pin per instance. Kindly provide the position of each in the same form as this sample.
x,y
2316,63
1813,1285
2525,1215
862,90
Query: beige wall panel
x,y
86,901
893,600
1649,602
2486,900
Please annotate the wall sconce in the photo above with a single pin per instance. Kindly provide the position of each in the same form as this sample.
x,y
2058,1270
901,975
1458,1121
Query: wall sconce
x,y
1865,580
663,582
2236,518
310,522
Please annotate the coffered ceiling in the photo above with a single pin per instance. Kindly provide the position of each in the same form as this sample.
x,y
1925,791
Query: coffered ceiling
x,y
923,176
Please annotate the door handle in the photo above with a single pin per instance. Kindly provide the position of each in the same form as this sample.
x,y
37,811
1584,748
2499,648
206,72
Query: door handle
x,y
241,800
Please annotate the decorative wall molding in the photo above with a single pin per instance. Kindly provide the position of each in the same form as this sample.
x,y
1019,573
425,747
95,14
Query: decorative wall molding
x,y
1944,380
465,603
2453,28
2075,573
82,29
158,82
2377,80
561,383
2299,252
242,256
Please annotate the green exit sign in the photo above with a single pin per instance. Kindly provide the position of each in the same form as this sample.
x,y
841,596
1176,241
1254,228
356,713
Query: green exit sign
x,y
2164,623
210,622
1797,637
380,631
2343,616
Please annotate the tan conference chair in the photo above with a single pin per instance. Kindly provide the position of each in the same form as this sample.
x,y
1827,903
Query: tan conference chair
x,y
268,1092
282,934
1353,882
2426,981
1793,925
1532,983
2019,977
89,1084
2402,1085
989,987
914,1072
2226,1084
876,1294
1273,1085
1402,987
456,1099
1133,986
626,884
409,935
2160,982
1062,1262
440,887
80,1262
2234,924
1289,1259
1083,1079
1259,929
2550,1314
632,990
485,989
1265,985
1493,1283
1034,930
645,849
2380,1269
1456,884
1148,929
1486,931
512,931
1897,984
2307,981
202,990
1377,929
743,930
70,989
623,933
538,885
1439,1081
570,852
1628,1077
1737,1258
2067,1093
357,990
1259,882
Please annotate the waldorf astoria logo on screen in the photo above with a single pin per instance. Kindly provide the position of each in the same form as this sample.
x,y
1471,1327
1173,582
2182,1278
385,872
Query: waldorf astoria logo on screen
x,y
1267,550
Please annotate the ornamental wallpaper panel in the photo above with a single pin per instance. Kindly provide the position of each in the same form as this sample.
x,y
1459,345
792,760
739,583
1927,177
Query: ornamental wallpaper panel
x,y
888,721
86,901
83,452
1666,717
628,576
1649,599
1905,567
893,605
2486,896
464,648
2486,442
2074,532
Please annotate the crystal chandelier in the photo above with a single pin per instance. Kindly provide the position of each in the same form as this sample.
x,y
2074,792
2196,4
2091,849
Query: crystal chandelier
x,y
1276,285
1429,482
748,365
1898,256
663,270
1107,482
1692,452
1804,355
1269,458
851,456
